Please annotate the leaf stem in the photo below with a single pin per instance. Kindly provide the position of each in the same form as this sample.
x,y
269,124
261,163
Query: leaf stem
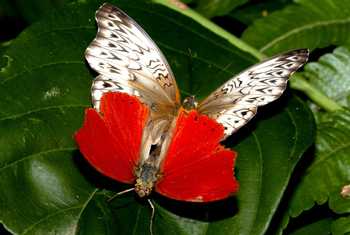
x,y
185,10
299,83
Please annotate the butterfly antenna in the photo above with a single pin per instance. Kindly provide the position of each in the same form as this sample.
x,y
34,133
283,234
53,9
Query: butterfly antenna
x,y
152,216
120,193
185,93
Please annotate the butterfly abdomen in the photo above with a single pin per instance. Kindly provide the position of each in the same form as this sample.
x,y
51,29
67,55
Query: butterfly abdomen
x,y
147,175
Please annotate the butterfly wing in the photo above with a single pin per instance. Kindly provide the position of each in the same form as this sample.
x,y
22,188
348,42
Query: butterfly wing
x,y
236,102
128,61
196,167
112,152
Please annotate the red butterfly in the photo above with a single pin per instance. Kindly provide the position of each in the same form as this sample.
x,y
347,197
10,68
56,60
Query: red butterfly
x,y
196,167
138,132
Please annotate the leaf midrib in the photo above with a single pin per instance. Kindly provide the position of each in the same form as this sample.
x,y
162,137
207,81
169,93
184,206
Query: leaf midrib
x,y
259,187
304,27
38,154
235,52
326,157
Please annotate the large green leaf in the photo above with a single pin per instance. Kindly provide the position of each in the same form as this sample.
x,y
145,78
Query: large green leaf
x,y
45,85
308,23
267,157
329,172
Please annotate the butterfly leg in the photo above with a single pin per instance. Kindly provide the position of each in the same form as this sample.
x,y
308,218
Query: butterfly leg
x,y
152,216
119,193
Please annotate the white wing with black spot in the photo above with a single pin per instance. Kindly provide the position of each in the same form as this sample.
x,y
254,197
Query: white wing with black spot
x,y
236,102
127,60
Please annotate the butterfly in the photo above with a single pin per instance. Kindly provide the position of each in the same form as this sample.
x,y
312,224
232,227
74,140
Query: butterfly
x,y
139,132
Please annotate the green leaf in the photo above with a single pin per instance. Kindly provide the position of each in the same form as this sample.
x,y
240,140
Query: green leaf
x,y
267,157
185,10
308,23
7,9
329,171
32,10
321,227
341,226
211,8
330,75
45,86
326,82
299,83
249,13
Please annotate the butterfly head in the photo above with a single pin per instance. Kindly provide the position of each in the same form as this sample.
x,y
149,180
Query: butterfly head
x,y
190,102
147,175
143,189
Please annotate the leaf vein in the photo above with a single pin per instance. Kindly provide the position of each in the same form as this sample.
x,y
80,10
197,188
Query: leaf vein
x,y
296,133
83,208
259,187
39,67
16,116
297,30
37,155
326,156
47,217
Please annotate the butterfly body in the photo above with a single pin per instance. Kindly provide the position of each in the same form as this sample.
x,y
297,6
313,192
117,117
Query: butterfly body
x,y
190,102
147,175
149,171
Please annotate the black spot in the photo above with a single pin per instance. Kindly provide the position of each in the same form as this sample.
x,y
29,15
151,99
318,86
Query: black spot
x,y
110,24
111,45
105,85
244,113
103,53
111,16
113,35
279,73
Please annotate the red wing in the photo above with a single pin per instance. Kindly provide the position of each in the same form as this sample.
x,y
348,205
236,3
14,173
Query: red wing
x,y
197,168
111,141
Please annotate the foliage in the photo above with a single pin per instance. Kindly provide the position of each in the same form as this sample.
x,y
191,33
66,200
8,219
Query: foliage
x,y
210,8
307,23
44,82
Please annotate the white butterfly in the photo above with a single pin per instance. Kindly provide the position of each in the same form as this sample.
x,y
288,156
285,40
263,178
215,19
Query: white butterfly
x,y
127,60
